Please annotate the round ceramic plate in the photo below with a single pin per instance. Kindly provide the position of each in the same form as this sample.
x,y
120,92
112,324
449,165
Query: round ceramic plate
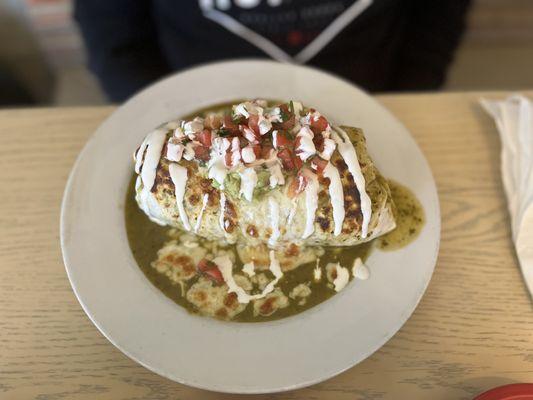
x,y
235,357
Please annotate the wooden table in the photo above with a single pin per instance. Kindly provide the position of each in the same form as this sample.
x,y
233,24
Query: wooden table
x,y
472,331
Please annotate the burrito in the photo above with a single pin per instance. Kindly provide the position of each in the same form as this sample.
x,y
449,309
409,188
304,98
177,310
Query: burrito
x,y
263,175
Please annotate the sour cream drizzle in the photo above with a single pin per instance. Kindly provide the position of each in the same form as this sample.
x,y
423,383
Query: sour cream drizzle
x,y
311,203
225,266
336,195
154,143
248,183
151,149
178,174
199,220
139,155
292,211
274,221
222,211
348,153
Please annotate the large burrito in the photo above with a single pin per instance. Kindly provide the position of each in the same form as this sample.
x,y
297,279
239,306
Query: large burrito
x,y
263,175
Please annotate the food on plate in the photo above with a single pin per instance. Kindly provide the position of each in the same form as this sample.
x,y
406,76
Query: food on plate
x,y
275,177
258,210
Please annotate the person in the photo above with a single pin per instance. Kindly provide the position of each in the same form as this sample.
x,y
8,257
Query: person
x,y
381,45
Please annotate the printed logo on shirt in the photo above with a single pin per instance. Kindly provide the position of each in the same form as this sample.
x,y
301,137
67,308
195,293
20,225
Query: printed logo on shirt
x,y
287,30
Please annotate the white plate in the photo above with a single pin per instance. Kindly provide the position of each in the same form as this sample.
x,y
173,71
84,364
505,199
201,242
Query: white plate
x,y
233,357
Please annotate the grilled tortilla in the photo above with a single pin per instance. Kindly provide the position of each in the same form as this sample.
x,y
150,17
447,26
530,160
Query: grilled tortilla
x,y
249,222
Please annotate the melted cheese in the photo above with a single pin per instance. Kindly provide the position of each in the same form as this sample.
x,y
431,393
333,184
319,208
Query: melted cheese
x,y
342,279
336,195
360,270
178,174
348,153
249,268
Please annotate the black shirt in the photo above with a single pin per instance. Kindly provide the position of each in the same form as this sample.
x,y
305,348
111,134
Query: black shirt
x,y
382,45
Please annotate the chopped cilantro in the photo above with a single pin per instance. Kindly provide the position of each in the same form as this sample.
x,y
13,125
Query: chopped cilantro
x,y
285,116
237,119
223,132
291,107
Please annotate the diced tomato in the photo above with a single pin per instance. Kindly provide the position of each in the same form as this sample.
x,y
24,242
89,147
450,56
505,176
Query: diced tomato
x,y
282,140
297,185
253,123
204,137
318,141
298,163
289,123
210,270
231,126
297,160
319,126
257,150
297,142
201,153
249,134
215,275
228,159
318,164
287,159
205,265
265,151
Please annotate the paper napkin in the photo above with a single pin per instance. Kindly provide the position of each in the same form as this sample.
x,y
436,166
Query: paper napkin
x,y
514,120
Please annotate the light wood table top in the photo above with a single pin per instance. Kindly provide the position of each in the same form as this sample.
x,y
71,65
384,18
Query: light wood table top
x,y
473,329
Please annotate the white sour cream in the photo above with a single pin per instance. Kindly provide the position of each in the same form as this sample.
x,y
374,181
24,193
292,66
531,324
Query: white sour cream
x,y
348,153
274,221
311,203
329,148
218,172
276,175
248,154
174,151
336,195
222,211
248,183
200,216
178,174
140,155
154,146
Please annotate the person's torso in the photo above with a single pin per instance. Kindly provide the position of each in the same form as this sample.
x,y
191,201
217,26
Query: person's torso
x,y
356,39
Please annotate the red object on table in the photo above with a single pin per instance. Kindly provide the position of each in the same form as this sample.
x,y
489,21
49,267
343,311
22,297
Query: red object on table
x,y
517,391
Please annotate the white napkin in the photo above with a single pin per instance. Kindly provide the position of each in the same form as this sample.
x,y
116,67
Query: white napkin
x,y
514,119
